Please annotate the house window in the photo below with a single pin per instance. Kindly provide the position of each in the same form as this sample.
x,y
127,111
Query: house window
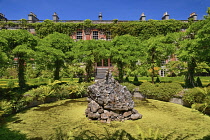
x,y
79,35
95,35
108,36
162,72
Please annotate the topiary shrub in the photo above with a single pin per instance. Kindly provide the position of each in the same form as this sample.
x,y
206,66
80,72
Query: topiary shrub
x,y
157,80
80,80
198,82
198,98
126,79
136,81
194,95
161,91
147,89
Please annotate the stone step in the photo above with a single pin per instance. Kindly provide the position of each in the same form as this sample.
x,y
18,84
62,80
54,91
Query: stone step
x,y
101,73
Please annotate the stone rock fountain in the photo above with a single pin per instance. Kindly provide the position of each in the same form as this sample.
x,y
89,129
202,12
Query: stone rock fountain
x,y
110,101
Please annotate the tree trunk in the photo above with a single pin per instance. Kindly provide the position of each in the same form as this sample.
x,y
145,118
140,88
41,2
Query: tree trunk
x,y
121,72
153,73
58,64
153,67
88,69
21,73
189,77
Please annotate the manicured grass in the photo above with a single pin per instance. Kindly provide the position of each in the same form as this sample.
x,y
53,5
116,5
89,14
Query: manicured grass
x,y
68,115
204,79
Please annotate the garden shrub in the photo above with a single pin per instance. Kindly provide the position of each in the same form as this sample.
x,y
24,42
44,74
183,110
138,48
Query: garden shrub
x,y
131,87
194,95
198,82
10,84
80,80
136,81
45,93
126,79
161,91
6,107
157,80
198,98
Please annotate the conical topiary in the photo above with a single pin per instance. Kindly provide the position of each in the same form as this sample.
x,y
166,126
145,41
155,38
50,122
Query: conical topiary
x,y
80,80
157,80
136,81
126,79
198,82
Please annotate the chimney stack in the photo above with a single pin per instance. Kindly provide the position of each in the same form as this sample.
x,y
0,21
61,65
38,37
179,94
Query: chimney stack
x,y
193,16
32,17
55,17
143,17
165,16
2,17
100,16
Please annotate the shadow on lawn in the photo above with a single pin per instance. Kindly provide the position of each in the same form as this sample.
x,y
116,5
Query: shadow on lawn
x,y
7,134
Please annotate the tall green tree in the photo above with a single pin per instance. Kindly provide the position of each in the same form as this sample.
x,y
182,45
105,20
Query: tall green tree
x,y
195,48
90,52
126,50
21,44
3,55
159,48
51,51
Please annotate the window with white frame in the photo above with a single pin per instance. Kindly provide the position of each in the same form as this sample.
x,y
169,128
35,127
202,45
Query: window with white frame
x,y
95,35
108,36
162,72
79,35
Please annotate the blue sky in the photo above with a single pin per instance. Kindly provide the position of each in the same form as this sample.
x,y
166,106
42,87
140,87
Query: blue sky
x,y
111,9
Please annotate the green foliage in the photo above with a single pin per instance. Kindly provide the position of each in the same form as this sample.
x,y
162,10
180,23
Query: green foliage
x,y
136,81
80,80
198,82
10,84
72,71
6,107
161,91
131,87
135,28
69,116
10,73
125,51
159,48
176,68
157,80
21,44
31,71
89,52
7,134
194,48
194,95
126,79
48,93
54,46
199,98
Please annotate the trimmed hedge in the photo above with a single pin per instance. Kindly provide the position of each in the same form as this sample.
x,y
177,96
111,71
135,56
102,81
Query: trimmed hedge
x,y
198,98
160,91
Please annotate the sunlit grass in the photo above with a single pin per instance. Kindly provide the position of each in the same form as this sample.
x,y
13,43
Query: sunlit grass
x,y
68,115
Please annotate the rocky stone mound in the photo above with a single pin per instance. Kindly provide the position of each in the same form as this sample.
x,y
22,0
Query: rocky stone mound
x,y
110,101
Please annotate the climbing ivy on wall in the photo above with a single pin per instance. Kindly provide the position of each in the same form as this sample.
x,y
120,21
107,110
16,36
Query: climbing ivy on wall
x,y
144,29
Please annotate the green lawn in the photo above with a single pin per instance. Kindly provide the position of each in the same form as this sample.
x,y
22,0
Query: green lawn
x,y
68,116
205,80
